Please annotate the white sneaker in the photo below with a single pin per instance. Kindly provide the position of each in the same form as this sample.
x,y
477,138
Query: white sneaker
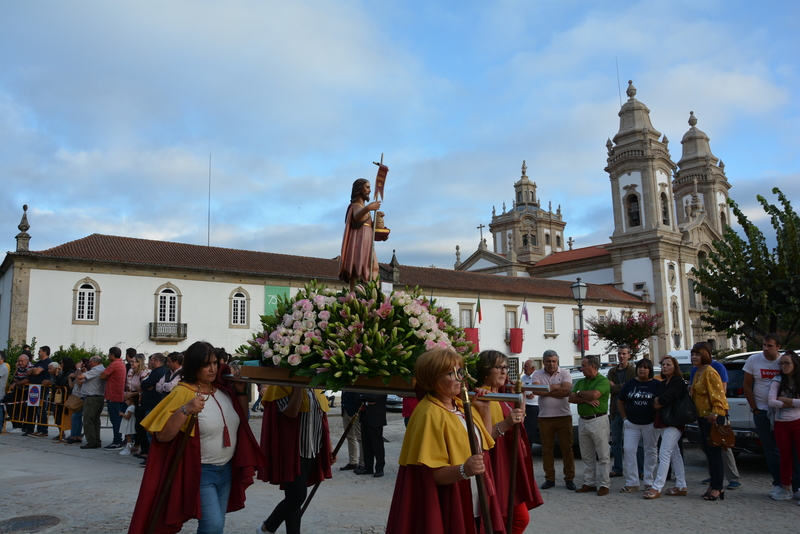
x,y
15,431
796,495
126,451
781,494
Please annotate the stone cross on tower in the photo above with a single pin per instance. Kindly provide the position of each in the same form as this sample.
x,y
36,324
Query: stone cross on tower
x,y
480,228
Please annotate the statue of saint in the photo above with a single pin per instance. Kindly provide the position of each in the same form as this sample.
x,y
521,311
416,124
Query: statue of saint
x,y
358,261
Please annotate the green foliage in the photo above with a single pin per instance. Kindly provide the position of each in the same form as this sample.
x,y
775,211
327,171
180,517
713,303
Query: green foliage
x,y
629,328
750,289
77,353
13,351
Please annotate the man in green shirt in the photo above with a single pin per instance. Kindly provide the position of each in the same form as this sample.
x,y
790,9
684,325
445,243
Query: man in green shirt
x,y
591,394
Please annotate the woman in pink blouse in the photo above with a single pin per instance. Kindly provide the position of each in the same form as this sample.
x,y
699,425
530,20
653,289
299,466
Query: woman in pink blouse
x,y
784,398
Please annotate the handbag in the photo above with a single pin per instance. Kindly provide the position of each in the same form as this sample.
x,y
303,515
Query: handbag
x,y
679,413
74,403
721,436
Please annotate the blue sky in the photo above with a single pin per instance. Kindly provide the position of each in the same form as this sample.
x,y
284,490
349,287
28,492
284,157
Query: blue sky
x,y
109,111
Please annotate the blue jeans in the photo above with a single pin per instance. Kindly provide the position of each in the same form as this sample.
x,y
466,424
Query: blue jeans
x,y
113,415
215,488
77,424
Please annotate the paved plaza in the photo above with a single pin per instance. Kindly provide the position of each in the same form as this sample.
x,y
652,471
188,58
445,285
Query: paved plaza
x,y
93,491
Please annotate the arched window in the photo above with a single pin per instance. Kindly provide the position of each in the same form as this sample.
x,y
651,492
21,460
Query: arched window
x,y
664,209
546,239
239,307
722,221
632,210
558,241
519,197
168,304
85,302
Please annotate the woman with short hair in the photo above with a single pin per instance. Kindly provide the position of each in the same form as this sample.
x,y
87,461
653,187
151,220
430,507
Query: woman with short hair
x,y
709,398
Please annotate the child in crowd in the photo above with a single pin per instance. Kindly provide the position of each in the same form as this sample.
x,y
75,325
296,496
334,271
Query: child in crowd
x,y
128,426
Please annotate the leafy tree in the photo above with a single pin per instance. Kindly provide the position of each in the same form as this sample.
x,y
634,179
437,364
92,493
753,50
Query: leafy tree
x,y
634,329
751,290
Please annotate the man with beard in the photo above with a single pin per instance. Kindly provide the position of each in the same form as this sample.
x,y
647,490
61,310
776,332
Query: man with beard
x,y
357,260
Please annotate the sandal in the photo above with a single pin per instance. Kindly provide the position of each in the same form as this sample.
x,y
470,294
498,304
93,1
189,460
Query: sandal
x,y
676,492
629,489
651,494
720,495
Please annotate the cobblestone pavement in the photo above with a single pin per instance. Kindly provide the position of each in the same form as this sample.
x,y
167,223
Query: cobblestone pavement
x,y
93,491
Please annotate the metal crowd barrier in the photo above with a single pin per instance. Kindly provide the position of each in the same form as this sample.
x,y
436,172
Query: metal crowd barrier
x,y
50,411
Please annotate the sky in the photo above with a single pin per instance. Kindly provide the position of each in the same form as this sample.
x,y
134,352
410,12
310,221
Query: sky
x,y
113,113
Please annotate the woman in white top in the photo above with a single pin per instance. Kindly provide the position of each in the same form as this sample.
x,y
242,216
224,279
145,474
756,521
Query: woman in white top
x,y
784,398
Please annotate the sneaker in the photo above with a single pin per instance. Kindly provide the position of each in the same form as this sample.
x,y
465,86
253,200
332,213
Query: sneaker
x,y
114,447
796,495
734,485
15,431
781,494
707,482
775,490
125,451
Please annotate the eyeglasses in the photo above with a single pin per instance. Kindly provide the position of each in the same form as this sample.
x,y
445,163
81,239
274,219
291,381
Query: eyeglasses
x,y
457,375
501,368
786,364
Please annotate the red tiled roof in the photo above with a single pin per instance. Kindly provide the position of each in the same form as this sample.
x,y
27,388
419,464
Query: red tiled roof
x,y
145,252
574,255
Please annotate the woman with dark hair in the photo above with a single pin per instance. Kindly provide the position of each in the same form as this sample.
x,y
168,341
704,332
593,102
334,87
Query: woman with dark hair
x,y
492,376
295,438
221,454
670,391
784,398
709,398
635,403
435,491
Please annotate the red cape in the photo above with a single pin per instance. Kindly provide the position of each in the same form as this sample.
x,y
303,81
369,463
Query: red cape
x,y
280,441
183,502
525,490
420,505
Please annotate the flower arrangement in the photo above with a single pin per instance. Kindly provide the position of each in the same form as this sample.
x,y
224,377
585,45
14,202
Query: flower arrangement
x,y
334,338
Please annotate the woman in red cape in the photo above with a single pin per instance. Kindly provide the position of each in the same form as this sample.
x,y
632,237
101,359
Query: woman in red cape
x,y
184,497
493,375
435,491
295,438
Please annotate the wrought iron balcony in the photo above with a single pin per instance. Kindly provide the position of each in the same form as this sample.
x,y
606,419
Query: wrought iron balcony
x,y
167,331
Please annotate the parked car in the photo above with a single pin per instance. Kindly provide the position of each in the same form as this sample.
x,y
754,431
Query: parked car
x,y
739,412
394,403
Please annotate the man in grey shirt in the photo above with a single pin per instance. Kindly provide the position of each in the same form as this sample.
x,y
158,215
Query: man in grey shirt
x,y
92,389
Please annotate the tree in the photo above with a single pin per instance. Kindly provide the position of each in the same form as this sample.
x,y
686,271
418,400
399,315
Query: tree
x,y
751,290
630,328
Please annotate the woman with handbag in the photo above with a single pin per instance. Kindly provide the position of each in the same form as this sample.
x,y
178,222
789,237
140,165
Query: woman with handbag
x,y
784,398
670,403
708,395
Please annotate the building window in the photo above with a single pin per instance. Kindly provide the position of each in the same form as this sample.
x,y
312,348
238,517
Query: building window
x,y
602,316
546,239
558,241
85,302
465,315
664,209
168,304
239,307
511,316
549,320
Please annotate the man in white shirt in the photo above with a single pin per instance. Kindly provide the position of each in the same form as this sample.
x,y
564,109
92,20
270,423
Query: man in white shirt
x,y
555,417
531,403
173,376
759,370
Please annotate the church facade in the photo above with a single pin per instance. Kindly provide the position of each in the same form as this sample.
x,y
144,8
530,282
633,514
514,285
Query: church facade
x,y
666,216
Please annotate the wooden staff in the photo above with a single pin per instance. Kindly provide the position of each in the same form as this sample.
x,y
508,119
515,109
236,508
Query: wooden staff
x,y
512,482
162,498
334,453
475,448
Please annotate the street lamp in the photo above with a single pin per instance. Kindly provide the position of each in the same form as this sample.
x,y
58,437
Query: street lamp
x,y
579,294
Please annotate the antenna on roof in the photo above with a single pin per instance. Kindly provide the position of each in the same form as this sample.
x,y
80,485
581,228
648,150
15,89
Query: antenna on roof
x,y
208,236
619,89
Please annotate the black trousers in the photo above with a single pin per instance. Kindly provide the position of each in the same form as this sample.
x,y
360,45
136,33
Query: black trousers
x,y
372,443
289,510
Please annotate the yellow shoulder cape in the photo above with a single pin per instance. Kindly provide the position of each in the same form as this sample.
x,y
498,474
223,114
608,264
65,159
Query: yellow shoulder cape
x,y
437,438
273,393
180,395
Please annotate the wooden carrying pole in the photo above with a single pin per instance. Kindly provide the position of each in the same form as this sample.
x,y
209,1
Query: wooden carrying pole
x,y
353,421
512,480
173,468
475,448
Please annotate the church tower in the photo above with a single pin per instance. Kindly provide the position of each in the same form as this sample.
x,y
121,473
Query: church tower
x,y
527,233
700,183
645,246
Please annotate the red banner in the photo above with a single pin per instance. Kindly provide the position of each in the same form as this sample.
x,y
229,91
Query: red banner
x,y
472,335
380,181
515,335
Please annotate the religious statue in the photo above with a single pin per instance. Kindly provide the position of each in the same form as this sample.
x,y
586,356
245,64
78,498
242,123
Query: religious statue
x,y
358,260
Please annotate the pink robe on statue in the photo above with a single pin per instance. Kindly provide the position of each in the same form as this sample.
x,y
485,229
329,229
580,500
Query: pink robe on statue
x,y
357,260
